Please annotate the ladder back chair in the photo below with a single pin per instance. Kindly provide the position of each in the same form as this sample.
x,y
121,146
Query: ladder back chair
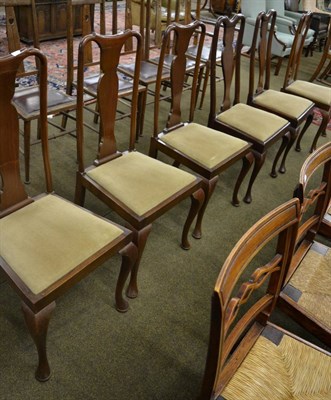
x,y
205,151
296,110
319,94
248,356
48,244
306,295
26,99
261,128
137,187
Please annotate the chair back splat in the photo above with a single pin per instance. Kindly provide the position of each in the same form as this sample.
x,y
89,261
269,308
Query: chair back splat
x,y
181,35
261,52
13,192
47,243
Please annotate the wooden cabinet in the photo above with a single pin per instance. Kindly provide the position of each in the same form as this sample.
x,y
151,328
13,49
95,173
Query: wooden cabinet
x,y
52,24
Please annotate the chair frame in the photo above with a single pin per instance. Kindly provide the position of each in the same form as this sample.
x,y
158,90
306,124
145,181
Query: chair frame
x,y
319,198
24,95
228,348
263,23
291,75
140,225
231,65
37,308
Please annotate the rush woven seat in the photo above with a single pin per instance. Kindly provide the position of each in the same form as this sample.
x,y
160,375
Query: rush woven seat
x,y
306,293
310,284
295,371
248,356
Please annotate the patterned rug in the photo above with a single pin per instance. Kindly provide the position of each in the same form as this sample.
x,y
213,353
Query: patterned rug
x,y
56,50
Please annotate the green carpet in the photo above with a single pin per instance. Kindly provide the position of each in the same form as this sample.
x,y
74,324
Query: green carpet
x,y
157,350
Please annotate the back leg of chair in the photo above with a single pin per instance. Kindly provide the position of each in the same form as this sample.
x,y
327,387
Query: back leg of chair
x,y
259,159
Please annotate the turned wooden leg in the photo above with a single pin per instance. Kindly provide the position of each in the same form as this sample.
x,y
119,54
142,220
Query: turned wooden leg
x,y
208,188
293,136
259,161
303,131
37,325
139,239
129,255
247,163
27,144
287,141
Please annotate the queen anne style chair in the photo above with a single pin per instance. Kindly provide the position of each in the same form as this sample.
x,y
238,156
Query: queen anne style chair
x,y
203,150
47,244
239,120
323,69
137,187
248,356
26,99
293,108
306,294
320,95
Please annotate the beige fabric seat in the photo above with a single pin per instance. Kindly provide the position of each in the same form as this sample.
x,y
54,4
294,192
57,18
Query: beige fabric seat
x,y
63,242
312,91
207,146
140,182
295,371
258,124
283,103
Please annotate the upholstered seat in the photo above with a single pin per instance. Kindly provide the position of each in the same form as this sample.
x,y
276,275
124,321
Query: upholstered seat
x,y
140,182
50,248
317,93
204,145
295,371
258,124
286,104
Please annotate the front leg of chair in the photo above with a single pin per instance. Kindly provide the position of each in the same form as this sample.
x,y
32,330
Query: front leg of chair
x,y
37,325
259,159
129,255
321,130
139,239
287,142
303,131
206,191
247,163
80,190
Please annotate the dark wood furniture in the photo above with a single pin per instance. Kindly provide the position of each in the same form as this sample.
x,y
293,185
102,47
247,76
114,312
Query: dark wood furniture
x,y
248,356
306,294
26,98
260,128
137,187
296,110
48,244
52,20
323,69
320,95
203,150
